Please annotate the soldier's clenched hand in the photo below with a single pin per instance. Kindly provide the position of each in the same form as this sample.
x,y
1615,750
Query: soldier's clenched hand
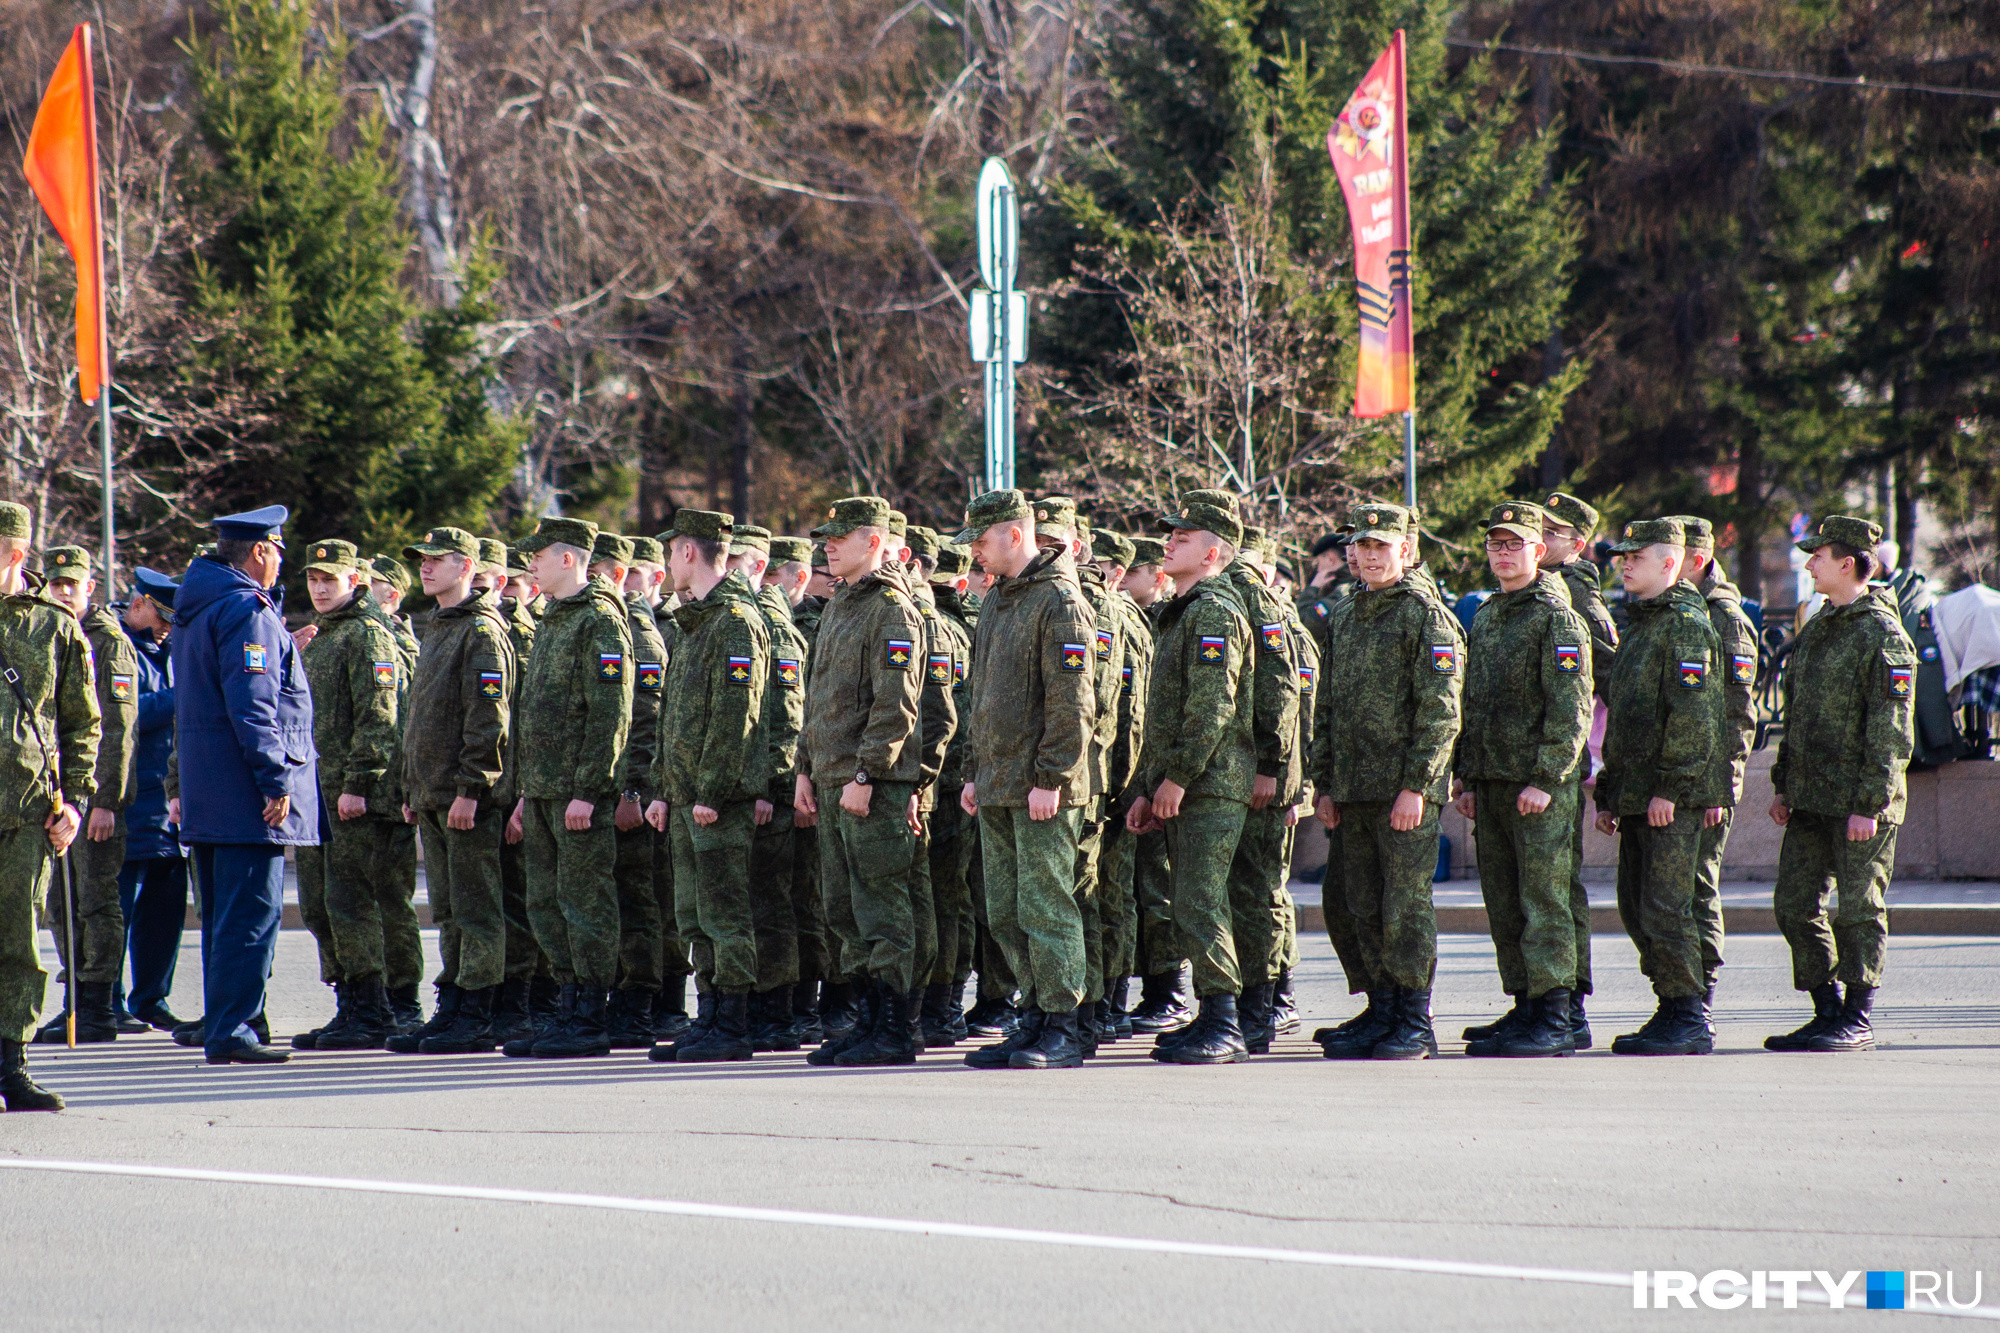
x,y
1043,802
1781,813
805,807
1139,816
704,815
762,813
968,799
515,831
103,823
1167,799
628,816
351,807
463,813
1532,801
1407,812
855,799
576,818
1659,812
62,825
1607,823
1263,790
1712,816
1328,812
1464,804
913,818
1860,828
656,815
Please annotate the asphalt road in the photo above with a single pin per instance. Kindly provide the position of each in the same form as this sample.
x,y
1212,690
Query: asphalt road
x,y
1596,1164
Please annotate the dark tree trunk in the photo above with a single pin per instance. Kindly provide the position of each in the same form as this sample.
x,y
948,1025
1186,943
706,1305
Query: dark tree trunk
x,y
1750,516
742,437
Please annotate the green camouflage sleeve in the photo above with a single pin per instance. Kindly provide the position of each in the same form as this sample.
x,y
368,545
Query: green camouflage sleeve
x,y
372,676
1889,731
1275,695
79,725
735,710
648,673
1588,599
785,712
671,642
607,704
936,708
1069,696
488,691
896,673
1566,707
1436,681
1739,684
1133,679
1306,652
1217,642
118,705
1691,699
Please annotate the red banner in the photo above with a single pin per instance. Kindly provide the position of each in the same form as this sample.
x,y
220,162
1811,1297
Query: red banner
x,y
62,166
1369,143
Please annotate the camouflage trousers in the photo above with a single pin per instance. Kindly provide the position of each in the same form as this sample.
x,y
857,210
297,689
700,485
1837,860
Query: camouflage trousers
x,y
866,864
1342,931
1031,901
1117,903
462,867
1817,859
1656,877
524,956
1579,897
1389,876
1524,870
950,894
923,911
774,920
25,865
996,977
573,890
1261,912
1708,894
357,893
640,910
817,958
712,895
1159,944
100,920
1201,845
1088,891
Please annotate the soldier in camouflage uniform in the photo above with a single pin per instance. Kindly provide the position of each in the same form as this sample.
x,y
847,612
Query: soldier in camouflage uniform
x,y
1117,896
1665,723
47,776
388,582
528,988
860,765
1520,765
575,711
454,754
952,833
786,579
1850,728
1737,640
1161,962
1198,771
349,893
96,858
648,581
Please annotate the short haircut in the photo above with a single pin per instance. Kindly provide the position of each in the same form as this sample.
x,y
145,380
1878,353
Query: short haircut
x,y
1864,561
928,562
235,551
790,570
564,548
707,550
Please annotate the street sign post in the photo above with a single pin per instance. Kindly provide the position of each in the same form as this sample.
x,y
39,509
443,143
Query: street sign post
x,y
997,317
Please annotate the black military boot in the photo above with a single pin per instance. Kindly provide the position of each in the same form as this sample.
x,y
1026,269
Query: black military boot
x,y
1357,1038
937,1028
548,1026
1579,1023
1708,1008
1284,1013
510,1012
1546,1033
1253,1008
580,1032
370,1020
544,1004
1411,1037
1523,1011
1162,1003
20,1092
1682,1032
1106,1015
1826,1012
404,1010
95,1020
1117,1013
727,1038
955,1007
1165,1042
1025,1034
630,1028
704,1019
890,1042
409,1043
781,1026
805,1013
991,1016
470,1028
864,1006
670,1011
303,1041
840,1005
1057,1047
1089,1028
1627,1043
1217,1039
1851,1029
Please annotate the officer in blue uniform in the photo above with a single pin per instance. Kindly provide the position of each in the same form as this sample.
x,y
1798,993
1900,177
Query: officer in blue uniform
x,y
249,779
152,886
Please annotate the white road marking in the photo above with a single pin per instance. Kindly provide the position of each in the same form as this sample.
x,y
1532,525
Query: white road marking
x,y
902,1226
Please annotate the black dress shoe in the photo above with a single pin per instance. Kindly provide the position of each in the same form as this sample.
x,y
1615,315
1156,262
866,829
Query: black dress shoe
x,y
249,1055
160,1018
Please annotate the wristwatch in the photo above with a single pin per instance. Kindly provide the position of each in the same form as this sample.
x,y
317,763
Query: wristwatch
x,y
861,777
632,796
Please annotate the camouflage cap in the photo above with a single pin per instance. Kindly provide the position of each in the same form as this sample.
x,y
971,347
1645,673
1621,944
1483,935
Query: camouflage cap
x,y
15,520
612,547
1700,532
443,541
1521,519
1253,537
819,555
66,562
578,532
1641,533
492,553
1860,534
953,562
648,551
856,511
1146,551
332,556
709,525
899,525
1115,547
992,507
1572,512
1055,511
390,570
517,561
747,537
922,541
791,550
1379,521
1205,511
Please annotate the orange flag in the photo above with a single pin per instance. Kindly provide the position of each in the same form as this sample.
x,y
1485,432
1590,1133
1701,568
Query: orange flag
x,y
62,166
1369,143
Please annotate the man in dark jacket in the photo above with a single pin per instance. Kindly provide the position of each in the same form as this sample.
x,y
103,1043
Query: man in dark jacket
x,y
243,714
152,887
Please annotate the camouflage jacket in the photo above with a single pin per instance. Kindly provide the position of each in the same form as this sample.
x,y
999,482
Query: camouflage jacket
x,y
1737,641
455,737
649,676
576,698
521,638
1275,679
1135,679
116,664
863,686
784,692
1527,689
1316,606
712,748
1199,729
956,642
1107,668
1586,597
805,619
1032,702
356,674
1665,709
939,702
45,646
1850,719
1388,715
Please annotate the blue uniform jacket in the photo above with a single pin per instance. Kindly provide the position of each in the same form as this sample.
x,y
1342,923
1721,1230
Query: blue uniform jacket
x,y
146,829
243,712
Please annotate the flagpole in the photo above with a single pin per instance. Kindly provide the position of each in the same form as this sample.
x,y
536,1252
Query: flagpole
x,y
1409,278
110,584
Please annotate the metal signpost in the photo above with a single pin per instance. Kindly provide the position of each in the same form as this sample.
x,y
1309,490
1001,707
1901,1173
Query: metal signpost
x,y
997,319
